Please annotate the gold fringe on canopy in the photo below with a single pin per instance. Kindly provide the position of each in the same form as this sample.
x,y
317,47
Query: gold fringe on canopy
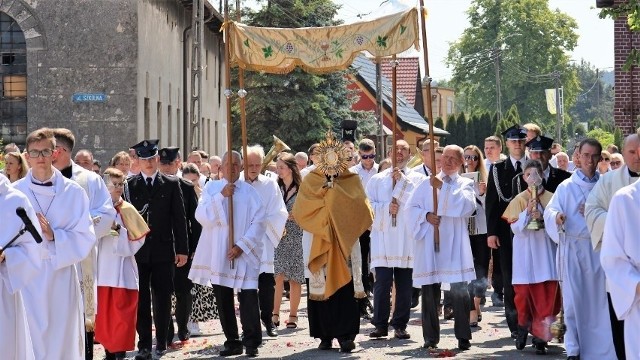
x,y
322,49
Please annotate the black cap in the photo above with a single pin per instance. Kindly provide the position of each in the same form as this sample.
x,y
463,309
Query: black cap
x,y
169,154
516,132
540,143
146,148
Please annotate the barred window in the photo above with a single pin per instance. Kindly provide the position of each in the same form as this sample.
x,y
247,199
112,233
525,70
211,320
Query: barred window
x,y
13,81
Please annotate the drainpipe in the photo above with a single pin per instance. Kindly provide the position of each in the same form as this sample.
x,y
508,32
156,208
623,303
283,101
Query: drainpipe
x,y
185,98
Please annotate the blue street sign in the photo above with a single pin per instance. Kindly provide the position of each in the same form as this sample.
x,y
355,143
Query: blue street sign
x,y
89,97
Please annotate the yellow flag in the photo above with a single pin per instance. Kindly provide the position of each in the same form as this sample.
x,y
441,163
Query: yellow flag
x,y
551,100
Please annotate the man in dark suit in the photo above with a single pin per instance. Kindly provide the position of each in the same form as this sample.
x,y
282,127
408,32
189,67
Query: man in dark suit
x,y
500,191
169,165
158,198
540,149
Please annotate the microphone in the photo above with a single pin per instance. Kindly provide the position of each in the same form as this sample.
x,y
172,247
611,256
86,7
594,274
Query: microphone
x,y
22,213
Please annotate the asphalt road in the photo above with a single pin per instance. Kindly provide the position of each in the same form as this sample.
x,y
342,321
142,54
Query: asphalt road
x,y
490,341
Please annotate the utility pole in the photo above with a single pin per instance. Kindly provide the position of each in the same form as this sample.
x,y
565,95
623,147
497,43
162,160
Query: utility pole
x,y
496,62
559,107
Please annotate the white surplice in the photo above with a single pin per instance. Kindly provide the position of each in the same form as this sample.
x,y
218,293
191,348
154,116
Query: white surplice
x,y
454,262
103,214
598,201
21,265
275,218
584,297
117,266
210,263
53,300
391,246
307,237
534,254
620,257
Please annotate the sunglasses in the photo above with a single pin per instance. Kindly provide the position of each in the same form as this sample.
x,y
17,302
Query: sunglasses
x,y
605,159
472,157
616,163
365,157
117,185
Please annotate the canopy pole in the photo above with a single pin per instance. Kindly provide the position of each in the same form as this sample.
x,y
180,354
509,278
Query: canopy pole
x,y
228,93
242,93
427,80
394,122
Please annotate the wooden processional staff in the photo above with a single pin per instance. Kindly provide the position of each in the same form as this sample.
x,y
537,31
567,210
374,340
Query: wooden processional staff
x,y
432,153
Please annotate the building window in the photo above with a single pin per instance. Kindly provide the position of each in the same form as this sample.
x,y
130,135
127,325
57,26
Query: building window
x,y
147,119
159,122
13,81
449,106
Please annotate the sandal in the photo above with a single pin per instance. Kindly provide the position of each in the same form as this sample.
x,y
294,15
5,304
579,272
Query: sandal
x,y
292,323
479,317
275,319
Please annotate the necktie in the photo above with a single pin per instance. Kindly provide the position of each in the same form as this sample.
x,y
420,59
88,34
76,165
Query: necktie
x,y
447,179
149,183
518,167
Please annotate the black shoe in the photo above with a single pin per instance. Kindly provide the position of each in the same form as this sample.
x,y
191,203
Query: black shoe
x,y
325,344
514,335
495,299
401,334
448,313
184,336
573,357
365,308
378,333
120,355
464,344
159,352
272,331
521,339
250,351
144,354
347,346
109,356
541,348
231,351
415,297
430,345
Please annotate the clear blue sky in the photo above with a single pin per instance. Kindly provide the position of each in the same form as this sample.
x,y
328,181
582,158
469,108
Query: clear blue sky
x,y
447,20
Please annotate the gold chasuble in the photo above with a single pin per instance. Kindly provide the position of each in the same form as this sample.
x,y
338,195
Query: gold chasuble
x,y
519,203
336,216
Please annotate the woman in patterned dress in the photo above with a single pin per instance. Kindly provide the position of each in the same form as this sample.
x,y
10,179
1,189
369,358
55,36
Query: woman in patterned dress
x,y
288,262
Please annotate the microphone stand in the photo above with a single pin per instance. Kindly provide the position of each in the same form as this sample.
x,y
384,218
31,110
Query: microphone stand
x,y
20,233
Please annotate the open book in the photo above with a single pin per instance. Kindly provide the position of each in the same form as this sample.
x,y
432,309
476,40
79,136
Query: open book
x,y
475,176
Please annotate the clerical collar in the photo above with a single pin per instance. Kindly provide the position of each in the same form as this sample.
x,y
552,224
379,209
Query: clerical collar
x,y
68,171
633,174
48,182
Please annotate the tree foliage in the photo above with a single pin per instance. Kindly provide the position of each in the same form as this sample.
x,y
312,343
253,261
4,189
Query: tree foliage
x,y
528,42
297,107
630,9
604,137
595,101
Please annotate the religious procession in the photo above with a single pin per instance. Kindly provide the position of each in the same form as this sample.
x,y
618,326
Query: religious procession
x,y
360,243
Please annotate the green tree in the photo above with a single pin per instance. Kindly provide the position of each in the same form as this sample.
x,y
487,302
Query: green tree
x,y
528,42
618,138
580,131
604,137
630,9
452,128
461,130
595,100
298,107
510,118
472,135
439,123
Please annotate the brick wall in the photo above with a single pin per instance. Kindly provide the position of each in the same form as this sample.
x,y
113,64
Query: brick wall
x,y
627,83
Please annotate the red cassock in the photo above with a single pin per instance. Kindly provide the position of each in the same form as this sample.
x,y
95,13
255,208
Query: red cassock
x,y
537,306
116,318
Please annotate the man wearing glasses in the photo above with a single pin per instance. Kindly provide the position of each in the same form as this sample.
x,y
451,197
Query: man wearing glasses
x,y
102,213
584,296
500,191
596,211
52,299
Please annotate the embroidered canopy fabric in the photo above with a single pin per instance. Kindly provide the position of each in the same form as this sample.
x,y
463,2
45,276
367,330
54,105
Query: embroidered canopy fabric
x,y
322,49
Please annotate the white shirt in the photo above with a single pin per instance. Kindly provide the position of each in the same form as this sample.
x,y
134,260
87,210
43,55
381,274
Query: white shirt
x,y
365,175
